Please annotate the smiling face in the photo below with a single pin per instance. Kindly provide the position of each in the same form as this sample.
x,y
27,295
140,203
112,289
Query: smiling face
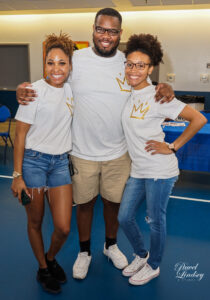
x,y
136,77
57,67
105,44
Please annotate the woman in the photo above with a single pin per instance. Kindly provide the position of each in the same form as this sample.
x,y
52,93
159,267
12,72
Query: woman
x,y
42,143
154,168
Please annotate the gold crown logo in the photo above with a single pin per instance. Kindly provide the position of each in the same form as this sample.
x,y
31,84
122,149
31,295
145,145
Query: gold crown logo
x,y
122,83
140,111
70,105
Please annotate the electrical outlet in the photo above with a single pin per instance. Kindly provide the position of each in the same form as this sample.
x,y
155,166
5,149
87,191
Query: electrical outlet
x,y
170,77
204,78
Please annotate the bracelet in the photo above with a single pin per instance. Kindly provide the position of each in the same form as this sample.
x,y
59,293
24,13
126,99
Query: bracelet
x,y
16,174
172,147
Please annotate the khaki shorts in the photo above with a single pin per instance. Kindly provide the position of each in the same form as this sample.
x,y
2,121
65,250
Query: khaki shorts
x,y
106,178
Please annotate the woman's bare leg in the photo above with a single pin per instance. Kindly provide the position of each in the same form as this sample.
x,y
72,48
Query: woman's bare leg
x,y
60,201
35,213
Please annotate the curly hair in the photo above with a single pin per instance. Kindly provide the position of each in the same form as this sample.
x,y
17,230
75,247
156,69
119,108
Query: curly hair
x,y
147,44
63,42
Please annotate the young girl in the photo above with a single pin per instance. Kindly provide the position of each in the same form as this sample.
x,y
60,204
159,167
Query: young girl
x,y
154,168
42,143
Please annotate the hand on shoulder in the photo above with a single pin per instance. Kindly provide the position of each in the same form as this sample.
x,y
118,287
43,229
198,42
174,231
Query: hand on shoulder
x,y
164,93
25,93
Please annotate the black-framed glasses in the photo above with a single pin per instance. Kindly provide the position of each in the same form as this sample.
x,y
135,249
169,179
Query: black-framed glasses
x,y
102,30
139,66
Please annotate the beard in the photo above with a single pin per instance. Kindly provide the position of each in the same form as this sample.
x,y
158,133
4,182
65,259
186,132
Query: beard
x,y
104,52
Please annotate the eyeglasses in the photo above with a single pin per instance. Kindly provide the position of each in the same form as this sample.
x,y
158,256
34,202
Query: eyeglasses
x,y
139,66
112,32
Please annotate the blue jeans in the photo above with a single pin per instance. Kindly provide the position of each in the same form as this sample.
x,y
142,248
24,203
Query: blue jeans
x,y
156,192
45,170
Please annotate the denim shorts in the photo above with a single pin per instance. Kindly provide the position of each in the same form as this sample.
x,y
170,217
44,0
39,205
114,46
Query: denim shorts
x,y
45,170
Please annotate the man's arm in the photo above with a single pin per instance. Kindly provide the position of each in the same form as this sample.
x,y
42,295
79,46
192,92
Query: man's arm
x,y
25,94
164,92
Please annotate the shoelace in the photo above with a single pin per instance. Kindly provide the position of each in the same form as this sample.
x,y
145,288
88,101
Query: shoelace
x,y
136,261
82,260
46,273
116,252
146,269
54,264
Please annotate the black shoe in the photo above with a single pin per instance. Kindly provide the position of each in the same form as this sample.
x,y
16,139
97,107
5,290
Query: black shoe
x,y
48,282
56,270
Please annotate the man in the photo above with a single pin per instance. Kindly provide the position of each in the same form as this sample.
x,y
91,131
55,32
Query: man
x,y
99,154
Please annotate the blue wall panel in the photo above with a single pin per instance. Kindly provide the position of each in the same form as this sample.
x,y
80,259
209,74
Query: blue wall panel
x,y
8,98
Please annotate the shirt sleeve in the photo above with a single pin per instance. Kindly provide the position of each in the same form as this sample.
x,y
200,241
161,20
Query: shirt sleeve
x,y
27,113
172,109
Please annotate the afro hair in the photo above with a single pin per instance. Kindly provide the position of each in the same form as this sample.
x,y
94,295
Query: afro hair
x,y
147,44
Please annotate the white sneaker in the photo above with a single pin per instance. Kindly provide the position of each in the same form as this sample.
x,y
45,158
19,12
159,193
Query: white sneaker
x,y
144,275
118,258
81,265
136,265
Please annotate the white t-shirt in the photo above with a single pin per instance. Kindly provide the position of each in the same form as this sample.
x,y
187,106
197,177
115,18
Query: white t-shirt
x,y
50,116
142,118
100,92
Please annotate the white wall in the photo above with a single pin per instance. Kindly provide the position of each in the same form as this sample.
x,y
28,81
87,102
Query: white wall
x,y
185,37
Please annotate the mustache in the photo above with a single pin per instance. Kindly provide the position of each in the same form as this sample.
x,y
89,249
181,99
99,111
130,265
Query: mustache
x,y
105,52
105,40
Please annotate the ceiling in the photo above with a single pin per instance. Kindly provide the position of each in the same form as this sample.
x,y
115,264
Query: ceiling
x,y
56,6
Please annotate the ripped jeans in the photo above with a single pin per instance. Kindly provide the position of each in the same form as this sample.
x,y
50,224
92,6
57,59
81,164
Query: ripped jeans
x,y
41,170
156,192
